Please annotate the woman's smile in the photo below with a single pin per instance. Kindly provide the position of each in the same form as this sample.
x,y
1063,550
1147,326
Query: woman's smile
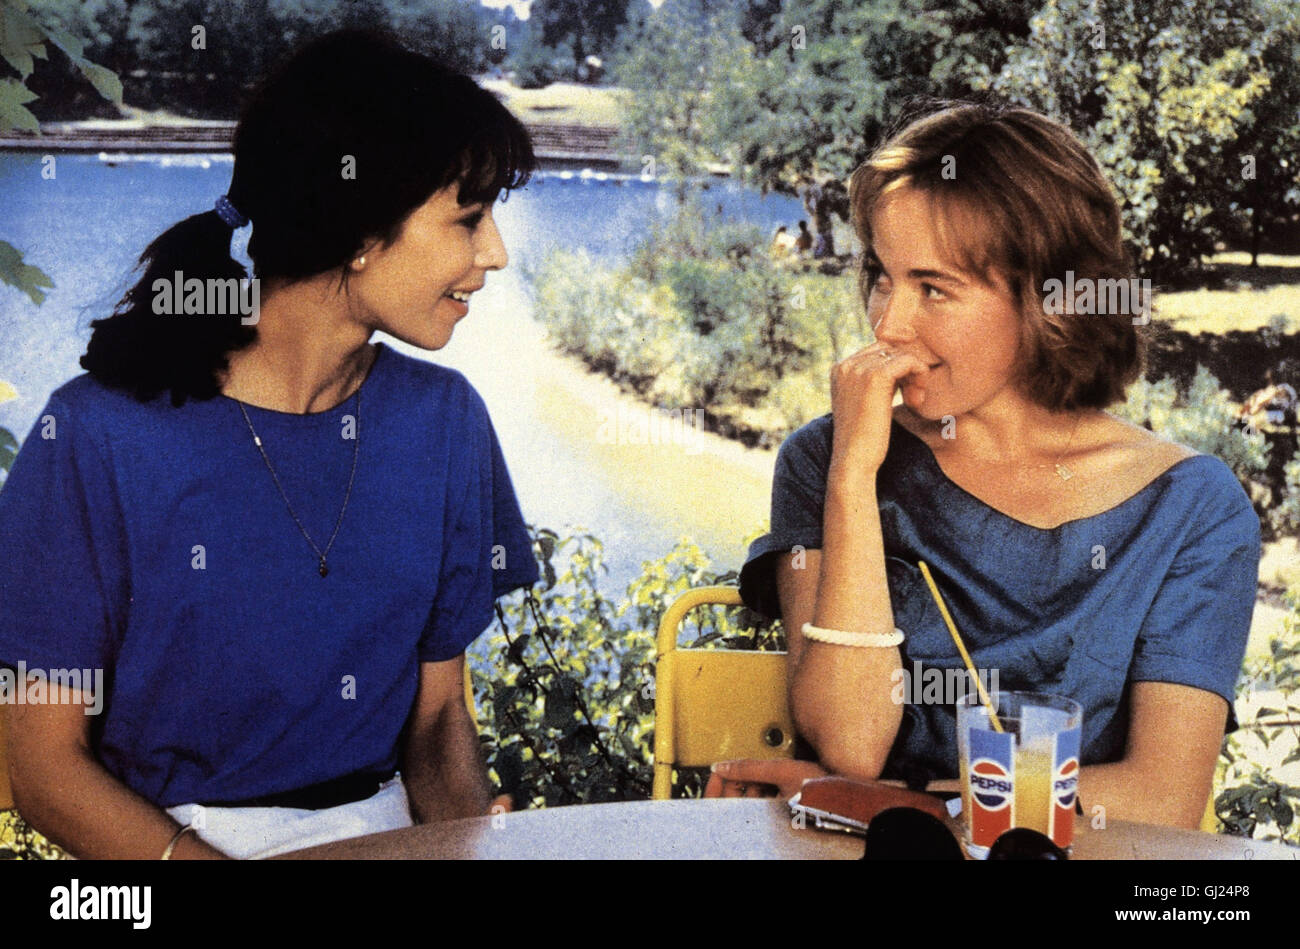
x,y
460,298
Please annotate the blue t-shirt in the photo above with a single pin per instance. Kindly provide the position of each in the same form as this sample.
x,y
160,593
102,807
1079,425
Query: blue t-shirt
x,y
1159,588
151,542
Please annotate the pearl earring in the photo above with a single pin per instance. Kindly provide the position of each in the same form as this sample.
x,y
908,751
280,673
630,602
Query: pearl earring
x,y
361,261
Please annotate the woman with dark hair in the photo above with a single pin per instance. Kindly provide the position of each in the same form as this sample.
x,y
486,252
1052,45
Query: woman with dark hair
x,y
274,537
1078,554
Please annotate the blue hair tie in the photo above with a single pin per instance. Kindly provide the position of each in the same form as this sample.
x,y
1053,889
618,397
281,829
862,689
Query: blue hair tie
x,y
229,213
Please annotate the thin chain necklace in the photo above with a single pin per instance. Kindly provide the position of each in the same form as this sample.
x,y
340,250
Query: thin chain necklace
x,y
1063,472
321,555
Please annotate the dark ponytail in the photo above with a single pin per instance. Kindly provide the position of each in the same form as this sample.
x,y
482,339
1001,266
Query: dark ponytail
x,y
408,126
147,349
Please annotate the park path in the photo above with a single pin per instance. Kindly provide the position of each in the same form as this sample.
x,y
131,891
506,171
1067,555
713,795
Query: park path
x,y
558,426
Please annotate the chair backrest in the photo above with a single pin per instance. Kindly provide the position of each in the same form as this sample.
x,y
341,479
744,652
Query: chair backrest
x,y
715,704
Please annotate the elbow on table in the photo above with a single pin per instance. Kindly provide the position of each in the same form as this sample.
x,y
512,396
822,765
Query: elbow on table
x,y
839,751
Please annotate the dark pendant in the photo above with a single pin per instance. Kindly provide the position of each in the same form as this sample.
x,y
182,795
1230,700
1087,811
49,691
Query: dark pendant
x,y
323,569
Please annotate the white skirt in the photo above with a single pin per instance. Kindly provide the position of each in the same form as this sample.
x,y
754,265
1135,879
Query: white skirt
x,y
254,833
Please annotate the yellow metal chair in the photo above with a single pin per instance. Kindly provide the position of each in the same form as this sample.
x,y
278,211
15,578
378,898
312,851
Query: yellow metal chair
x,y
715,704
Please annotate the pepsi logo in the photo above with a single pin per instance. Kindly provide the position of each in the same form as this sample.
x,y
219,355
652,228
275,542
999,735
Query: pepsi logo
x,y
990,784
1066,783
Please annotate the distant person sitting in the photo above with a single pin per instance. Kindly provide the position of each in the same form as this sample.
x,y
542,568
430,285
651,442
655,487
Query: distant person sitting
x,y
825,245
804,242
1275,400
783,244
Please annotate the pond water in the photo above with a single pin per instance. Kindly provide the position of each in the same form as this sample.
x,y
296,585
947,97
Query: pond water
x,y
86,226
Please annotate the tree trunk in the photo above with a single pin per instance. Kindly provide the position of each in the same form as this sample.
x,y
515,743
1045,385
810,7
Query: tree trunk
x,y
1254,237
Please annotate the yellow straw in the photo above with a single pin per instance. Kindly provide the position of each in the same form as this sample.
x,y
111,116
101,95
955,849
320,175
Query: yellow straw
x,y
961,648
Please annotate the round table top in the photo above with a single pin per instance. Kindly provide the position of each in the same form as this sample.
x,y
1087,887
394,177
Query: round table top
x,y
725,828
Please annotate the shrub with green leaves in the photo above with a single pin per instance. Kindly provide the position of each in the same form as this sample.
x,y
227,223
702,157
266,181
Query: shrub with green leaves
x,y
700,318
565,686
1203,418
1259,768
1286,517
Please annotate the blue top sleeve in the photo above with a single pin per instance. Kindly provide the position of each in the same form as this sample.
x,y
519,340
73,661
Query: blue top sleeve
x,y
64,584
1196,629
488,552
798,498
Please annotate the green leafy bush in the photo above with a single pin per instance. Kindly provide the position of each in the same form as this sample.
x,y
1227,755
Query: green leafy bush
x,y
1203,418
565,688
699,318
1286,517
20,841
1259,769
537,65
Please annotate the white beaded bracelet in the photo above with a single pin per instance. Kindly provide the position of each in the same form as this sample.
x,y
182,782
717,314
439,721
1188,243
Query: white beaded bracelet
x,y
839,637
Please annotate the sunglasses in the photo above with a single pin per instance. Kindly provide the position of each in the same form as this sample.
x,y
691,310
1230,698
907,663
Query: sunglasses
x,y
908,833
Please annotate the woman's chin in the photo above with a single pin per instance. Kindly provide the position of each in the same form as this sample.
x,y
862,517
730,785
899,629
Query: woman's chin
x,y
431,339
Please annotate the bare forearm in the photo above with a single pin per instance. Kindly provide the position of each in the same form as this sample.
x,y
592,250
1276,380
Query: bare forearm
x,y
852,592
841,696
75,802
445,778
1126,792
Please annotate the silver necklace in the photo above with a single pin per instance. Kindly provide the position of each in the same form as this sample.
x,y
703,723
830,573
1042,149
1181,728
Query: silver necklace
x,y
321,555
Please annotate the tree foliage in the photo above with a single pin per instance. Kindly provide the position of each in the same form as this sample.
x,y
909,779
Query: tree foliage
x,y
806,87
25,37
1173,98
681,63
201,57
588,27
1193,110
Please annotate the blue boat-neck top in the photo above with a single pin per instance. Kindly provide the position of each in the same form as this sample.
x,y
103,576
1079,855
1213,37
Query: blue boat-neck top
x,y
1159,588
152,543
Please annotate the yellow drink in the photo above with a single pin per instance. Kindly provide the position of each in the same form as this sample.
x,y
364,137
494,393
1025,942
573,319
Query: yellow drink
x,y
1033,793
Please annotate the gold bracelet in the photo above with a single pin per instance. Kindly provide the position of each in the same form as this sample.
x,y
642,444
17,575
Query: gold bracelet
x,y
171,844
839,637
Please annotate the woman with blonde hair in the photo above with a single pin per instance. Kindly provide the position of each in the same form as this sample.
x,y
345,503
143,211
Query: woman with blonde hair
x,y
1079,554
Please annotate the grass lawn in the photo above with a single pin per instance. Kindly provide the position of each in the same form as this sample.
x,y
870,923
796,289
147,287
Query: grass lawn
x,y
560,103
1255,297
